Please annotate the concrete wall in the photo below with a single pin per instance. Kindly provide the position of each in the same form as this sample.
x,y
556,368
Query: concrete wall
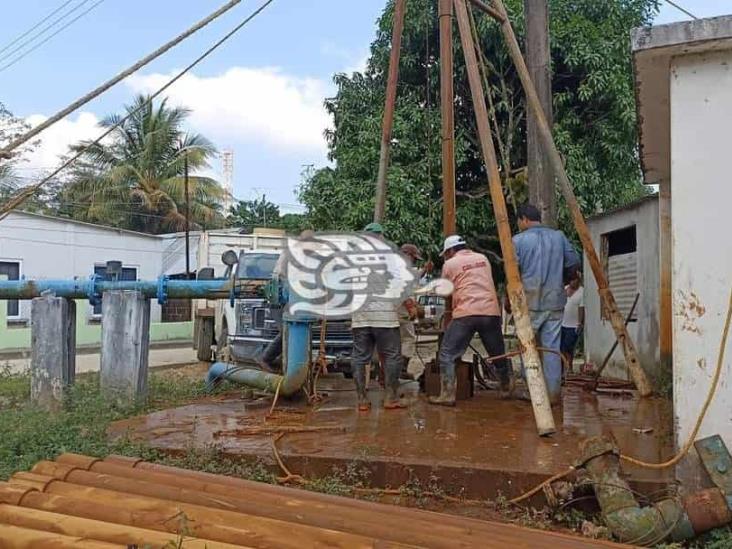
x,y
56,248
599,335
701,112
18,338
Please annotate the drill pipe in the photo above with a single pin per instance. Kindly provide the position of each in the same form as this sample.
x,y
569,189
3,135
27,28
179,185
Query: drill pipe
x,y
219,515
398,524
85,528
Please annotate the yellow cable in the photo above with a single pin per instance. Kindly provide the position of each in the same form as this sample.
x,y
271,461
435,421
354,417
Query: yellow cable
x,y
689,443
710,396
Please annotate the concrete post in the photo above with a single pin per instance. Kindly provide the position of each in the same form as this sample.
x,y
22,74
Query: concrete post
x,y
53,349
125,343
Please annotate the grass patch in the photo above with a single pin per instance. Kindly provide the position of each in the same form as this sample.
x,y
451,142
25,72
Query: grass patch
x,y
29,434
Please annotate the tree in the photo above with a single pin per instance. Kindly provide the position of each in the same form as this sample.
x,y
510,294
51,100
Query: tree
x,y
594,112
10,181
248,214
254,213
134,179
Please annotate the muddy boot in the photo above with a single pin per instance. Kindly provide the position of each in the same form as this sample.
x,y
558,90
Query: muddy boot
x,y
447,393
392,400
507,384
359,378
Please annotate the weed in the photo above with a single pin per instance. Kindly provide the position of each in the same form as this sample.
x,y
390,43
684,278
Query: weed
x,y
30,434
721,538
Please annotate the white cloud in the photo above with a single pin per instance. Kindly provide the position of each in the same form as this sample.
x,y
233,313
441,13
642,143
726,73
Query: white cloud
x,y
351,61
255,105
55,141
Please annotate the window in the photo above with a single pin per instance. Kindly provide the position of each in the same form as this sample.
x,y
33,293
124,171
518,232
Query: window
x,y
12,270
620,259
257,265
128,273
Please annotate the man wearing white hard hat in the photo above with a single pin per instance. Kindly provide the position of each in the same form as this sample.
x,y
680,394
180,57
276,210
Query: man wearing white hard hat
x,y
475,308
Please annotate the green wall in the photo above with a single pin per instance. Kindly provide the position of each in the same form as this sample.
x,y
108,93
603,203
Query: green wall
x,y
18,338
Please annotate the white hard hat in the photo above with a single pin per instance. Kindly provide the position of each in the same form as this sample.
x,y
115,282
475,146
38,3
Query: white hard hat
x,y
451,242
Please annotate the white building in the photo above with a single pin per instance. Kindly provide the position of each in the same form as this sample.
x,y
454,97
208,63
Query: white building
x,y
627,239
683,75
38,246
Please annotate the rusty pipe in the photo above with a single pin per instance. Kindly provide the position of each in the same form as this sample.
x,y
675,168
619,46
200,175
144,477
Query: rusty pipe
x,y
401,525
140,511
550,148
447,115
62,523
15,537
199,507
388,122
671,519
355,512
533,369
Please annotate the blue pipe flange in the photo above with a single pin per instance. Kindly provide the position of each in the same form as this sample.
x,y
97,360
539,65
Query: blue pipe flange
x,y
163,289
94,295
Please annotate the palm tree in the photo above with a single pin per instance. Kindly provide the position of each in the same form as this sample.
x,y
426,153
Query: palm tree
x,y
134,178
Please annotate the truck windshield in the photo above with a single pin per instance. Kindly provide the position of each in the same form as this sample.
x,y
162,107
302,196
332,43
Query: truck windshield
x,y
256,265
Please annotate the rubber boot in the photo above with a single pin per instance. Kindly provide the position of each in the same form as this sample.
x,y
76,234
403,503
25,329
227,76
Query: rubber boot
x,y
448,388
391,399
506,382
359,378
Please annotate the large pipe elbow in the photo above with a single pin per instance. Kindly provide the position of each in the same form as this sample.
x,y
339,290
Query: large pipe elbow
x,y
295,363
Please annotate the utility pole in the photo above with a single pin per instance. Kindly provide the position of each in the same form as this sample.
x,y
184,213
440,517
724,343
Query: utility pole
x,y
538,59
448,118
188,216
388,123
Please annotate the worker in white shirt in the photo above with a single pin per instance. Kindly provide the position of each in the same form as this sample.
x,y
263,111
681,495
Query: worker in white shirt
x,y
573,319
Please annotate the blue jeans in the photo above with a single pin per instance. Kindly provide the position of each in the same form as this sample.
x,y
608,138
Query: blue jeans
x,y
457,338
547,326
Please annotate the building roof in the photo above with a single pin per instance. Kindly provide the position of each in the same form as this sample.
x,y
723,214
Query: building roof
x,y
653,48
630,206
82,223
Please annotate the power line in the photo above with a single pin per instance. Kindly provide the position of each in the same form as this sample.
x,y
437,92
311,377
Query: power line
x,y
61,29
34,27
681,9
40,33
5,152
30,191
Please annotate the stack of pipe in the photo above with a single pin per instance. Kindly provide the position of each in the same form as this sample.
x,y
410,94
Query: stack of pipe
x,y
79,501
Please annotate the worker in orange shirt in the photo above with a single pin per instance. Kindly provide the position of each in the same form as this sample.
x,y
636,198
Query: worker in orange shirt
x,y
475,308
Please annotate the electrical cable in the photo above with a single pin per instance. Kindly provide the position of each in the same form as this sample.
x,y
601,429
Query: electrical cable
x,y
5,152
681,9
39,34
34,27
710,396
689,443
34,48
31,190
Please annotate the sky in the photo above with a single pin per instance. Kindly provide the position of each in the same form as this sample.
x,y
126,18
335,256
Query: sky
x,y
260,95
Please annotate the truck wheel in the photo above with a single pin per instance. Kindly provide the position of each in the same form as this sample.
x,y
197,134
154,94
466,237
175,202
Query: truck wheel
x,y
204,339
222,345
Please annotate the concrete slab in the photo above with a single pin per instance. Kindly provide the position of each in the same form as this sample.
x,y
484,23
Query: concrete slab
x,y
481,448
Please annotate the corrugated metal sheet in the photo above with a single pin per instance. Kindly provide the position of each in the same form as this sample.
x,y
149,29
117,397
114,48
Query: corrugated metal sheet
x,y
623,280
78,501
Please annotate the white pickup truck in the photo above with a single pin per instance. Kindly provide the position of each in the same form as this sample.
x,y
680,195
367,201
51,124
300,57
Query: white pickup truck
x,y
241,332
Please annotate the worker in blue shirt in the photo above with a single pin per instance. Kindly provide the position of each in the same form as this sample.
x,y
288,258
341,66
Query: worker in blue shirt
x,y
546,259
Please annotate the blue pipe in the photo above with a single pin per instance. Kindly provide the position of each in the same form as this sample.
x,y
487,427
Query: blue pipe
x,y
295,360
92,288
